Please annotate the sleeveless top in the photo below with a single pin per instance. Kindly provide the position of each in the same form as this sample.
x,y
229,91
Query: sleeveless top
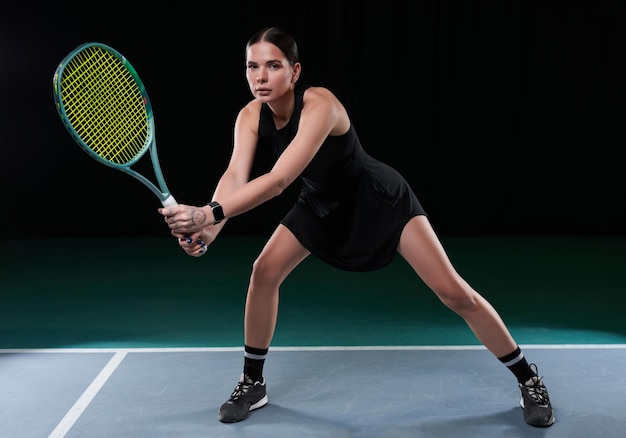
x,y
352,208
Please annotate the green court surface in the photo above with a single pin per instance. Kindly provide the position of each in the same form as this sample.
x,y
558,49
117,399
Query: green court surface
x,y
145,292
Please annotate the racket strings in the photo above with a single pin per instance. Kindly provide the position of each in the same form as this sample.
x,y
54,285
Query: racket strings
x,y
105,105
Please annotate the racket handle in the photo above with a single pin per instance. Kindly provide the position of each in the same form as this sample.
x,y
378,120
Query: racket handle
x,y
169,201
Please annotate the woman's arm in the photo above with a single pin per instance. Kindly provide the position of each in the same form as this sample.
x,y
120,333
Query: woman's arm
x,y
194,239
322,115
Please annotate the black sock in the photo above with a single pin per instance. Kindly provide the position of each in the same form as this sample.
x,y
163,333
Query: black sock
x,y
254,358
516,362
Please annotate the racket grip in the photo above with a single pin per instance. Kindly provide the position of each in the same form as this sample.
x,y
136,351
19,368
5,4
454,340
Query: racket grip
x,y
169,201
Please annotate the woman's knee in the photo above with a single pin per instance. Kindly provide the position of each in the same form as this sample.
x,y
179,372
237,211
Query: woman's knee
x,y
264,272
459,300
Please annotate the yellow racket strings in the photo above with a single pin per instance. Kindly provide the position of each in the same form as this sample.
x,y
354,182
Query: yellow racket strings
x,y
104,105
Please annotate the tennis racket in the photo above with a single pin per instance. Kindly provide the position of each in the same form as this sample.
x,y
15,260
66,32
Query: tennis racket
x,y
105,107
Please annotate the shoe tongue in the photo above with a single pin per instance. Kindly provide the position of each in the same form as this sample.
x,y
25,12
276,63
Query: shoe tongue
x,y
247,380
532,381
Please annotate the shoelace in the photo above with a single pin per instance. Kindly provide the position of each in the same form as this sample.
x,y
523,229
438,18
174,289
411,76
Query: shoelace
x,y
538,392
241,389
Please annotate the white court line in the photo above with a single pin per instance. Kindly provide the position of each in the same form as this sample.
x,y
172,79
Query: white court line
x,y
81,404
308,348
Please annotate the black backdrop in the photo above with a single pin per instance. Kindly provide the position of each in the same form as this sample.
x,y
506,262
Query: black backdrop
x,y
506,117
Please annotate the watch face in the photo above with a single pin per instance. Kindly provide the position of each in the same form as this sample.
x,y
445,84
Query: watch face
x,y
218,212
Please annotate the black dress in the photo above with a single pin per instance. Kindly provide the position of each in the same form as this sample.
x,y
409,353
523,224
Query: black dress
x,y
352,208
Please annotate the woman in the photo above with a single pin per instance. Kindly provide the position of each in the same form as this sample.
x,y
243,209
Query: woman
x,y
353,212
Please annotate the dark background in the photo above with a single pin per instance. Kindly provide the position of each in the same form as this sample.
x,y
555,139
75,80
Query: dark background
x,y
506,117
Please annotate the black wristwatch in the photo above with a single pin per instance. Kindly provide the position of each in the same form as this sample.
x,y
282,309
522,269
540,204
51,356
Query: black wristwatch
x,y
218,212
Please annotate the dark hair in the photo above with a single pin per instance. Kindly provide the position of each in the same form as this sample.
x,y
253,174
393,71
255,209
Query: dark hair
x,y
280,38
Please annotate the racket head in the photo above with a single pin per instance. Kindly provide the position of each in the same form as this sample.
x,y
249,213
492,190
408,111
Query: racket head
x,y
104,104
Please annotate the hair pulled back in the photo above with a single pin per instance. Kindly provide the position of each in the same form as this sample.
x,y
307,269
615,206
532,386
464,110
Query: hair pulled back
x,y
280,38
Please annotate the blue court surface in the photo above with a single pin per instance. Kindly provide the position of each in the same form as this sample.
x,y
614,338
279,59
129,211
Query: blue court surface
x,y
313,392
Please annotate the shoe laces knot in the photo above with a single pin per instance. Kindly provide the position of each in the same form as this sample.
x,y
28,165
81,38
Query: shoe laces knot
x,y
537,391
241,389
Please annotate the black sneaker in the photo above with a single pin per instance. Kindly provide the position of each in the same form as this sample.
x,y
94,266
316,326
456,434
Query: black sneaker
x,y
246,397
535,401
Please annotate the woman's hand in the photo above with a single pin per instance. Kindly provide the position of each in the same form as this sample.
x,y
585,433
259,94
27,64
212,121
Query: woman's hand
x,y
185,219
195,244
191,227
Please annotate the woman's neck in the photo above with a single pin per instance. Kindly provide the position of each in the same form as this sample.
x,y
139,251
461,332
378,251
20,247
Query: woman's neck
x,y
282,109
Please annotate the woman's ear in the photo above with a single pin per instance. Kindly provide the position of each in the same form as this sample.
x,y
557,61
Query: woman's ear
x,y
295,74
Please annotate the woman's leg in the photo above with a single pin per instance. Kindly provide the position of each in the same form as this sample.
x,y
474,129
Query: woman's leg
x,y
421,248
281,254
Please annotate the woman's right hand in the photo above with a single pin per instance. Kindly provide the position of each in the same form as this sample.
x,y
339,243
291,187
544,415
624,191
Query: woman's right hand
x,y
196,244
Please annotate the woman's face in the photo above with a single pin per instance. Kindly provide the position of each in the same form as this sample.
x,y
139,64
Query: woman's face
x,y
268,72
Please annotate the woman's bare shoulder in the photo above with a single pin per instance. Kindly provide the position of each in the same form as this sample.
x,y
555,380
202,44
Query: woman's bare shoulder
x,y
250,113
319,93
251,108
322,99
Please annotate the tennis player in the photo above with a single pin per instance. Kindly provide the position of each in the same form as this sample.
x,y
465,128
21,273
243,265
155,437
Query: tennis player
x,y
353,212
